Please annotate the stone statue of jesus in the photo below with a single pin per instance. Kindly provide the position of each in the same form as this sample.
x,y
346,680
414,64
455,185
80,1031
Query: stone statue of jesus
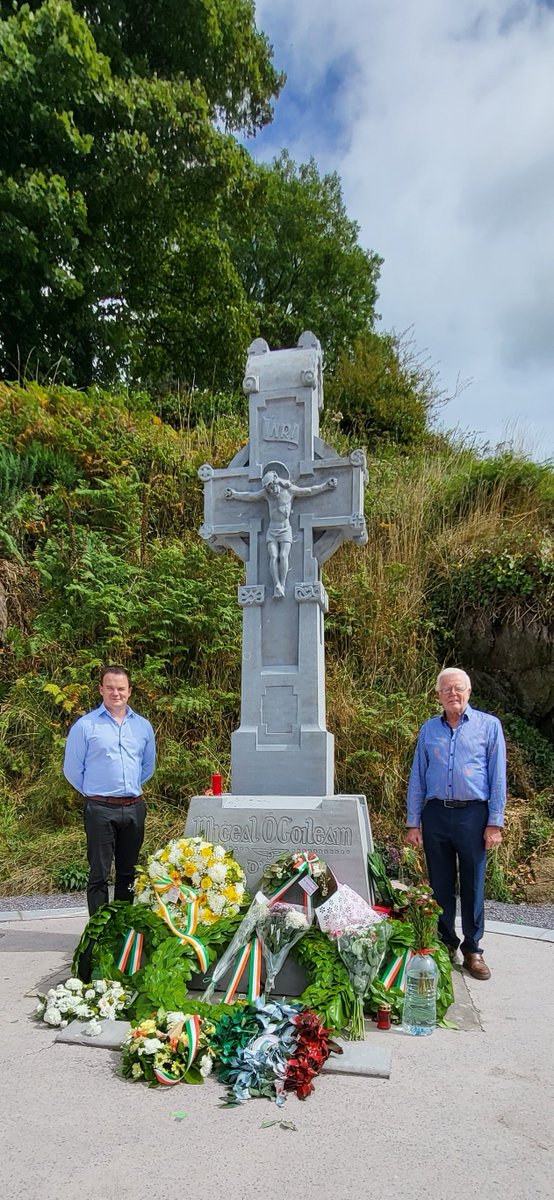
x,y
279,494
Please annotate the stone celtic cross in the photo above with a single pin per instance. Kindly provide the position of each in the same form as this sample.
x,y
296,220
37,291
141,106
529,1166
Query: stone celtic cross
x,y
284,504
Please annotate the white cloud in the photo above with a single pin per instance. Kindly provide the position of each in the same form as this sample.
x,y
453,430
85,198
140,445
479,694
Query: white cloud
x,y
446,156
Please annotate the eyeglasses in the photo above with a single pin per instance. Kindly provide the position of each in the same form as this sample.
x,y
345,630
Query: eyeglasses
x,y
455,691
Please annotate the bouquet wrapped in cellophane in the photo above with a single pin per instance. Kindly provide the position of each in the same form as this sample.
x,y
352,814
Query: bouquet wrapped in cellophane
x,y
362,952
279,927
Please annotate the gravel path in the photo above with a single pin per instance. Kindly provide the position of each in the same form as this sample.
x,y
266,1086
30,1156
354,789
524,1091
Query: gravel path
x,y
539,915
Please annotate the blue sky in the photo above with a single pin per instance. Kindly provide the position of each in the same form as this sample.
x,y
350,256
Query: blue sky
x,y
439,118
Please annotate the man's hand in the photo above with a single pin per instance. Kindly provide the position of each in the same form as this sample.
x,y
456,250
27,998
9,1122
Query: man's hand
x,y
414,838
492,837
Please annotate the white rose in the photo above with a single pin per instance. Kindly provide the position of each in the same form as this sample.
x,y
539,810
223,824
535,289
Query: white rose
x,y
151,1045
219,852
173,1018
74,985
90,994
52,1016
100,986
206,1065
94,1028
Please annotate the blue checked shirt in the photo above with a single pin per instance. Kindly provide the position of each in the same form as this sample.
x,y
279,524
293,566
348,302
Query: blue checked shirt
x,y
466,763
103,758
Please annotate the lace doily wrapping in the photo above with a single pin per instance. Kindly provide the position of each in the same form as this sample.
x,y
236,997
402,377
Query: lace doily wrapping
x,y
346,910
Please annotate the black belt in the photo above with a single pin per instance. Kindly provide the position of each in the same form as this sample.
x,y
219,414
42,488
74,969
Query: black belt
x,y
115,800
452,803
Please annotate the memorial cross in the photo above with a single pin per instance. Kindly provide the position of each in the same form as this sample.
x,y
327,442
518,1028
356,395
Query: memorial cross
x,y
263,506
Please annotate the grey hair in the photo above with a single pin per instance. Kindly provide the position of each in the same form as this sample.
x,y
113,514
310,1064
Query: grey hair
x,y
451,671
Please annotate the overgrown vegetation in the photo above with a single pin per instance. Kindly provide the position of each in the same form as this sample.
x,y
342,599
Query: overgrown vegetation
x,y
102,562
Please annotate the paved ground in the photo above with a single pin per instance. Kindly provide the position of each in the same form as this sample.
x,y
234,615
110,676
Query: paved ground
x,y
466,1113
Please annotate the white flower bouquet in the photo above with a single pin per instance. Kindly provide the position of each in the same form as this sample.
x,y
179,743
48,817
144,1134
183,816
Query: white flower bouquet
x,y
362,952
102,999
279,926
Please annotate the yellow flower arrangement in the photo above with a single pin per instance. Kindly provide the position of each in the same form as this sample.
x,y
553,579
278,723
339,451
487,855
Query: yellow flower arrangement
x,y
210,870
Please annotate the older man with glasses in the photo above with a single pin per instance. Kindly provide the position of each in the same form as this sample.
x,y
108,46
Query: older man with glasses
x,y
456,800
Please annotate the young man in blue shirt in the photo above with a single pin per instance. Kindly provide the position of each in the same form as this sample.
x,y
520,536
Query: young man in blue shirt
x,y
456,800
110,753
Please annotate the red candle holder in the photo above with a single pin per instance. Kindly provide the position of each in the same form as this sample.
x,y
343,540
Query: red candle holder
x,y
217,784
383,1016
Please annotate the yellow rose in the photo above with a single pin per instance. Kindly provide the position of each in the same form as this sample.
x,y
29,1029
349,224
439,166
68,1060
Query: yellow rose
x,y
206,883
189,867
206,852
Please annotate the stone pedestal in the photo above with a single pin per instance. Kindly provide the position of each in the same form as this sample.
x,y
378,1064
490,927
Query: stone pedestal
x,y
259,828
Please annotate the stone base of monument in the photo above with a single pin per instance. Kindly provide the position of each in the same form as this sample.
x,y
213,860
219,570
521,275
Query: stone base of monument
x,y
361,1058
358,1058
259,828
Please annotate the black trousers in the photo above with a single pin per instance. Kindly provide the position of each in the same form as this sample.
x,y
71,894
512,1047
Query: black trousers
x,y
113,831
453,837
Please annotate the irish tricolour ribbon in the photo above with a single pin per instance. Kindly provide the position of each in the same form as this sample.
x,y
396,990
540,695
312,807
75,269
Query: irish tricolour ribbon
x,y
188,897
129,959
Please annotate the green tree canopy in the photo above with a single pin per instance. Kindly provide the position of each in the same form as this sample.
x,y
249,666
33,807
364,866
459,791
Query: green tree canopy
x,y
300,261
99,170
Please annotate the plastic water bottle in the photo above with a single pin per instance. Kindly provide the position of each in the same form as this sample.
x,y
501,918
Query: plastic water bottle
x,y
419,1015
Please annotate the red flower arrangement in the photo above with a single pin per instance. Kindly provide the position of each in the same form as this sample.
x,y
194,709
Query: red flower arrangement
x,y
312,1051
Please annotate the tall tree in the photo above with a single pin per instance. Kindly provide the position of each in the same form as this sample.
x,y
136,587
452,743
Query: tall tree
x,y
300,260
103,160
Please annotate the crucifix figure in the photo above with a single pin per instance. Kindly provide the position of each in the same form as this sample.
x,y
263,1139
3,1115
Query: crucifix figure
x,y
279,494
284,517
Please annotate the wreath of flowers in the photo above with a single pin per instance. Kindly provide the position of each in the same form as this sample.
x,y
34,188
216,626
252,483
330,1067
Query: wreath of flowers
x,y
211,871
289,868
268,1049
172,1047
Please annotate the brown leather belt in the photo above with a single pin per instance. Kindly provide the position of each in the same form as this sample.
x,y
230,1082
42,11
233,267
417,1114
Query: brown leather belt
x,y
115,800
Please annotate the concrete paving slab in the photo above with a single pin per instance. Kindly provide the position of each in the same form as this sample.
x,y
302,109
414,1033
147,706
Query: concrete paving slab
x,y
510,929
462,1114
111,1036
361,1058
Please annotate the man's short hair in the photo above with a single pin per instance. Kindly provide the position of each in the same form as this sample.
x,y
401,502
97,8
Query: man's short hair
x,y
451,671
114,669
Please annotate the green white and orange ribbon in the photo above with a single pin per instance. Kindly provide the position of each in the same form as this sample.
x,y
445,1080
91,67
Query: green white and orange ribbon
x,y
303,864
192,1027
395,974
250,956
188,897
131,954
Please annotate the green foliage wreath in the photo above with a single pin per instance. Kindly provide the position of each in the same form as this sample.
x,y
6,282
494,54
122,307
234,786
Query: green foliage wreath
x,y
168,964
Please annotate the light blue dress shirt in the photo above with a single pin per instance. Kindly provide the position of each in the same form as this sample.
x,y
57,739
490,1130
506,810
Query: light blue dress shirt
x,y
466,763
104,758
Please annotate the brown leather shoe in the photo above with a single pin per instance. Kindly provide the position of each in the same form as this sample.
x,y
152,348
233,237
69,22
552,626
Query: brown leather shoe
x,y
476,965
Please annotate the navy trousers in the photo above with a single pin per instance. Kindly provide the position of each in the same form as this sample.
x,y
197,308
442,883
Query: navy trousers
x,y
113,832
453,842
